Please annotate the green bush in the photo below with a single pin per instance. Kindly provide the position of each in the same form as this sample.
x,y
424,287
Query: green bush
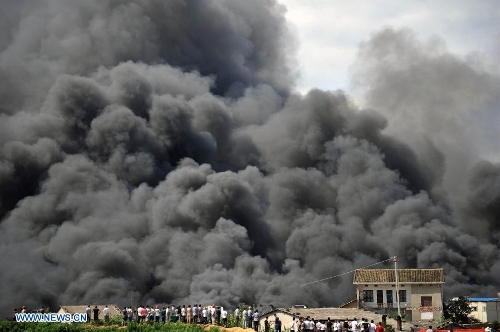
x,y
41,327
8,326
389,328
170,327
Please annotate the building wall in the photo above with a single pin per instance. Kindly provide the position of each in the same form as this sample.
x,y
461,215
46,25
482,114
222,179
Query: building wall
x,y
426,313
412,307
493,311
479,311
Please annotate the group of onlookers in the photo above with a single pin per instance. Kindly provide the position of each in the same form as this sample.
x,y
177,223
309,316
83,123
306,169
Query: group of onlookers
x,y
24,311
95,312
218,315
191,314
309,324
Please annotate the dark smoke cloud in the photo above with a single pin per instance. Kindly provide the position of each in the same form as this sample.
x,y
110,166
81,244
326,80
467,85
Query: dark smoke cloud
x,y
153,149
433,100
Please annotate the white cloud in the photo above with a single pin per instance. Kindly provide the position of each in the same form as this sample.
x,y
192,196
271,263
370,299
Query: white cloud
x,y
329,31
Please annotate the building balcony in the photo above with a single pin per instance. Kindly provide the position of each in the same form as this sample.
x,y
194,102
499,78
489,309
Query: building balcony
x,y
371,305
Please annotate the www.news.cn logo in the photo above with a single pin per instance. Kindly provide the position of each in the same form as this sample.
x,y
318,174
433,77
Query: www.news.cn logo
x,y
51,318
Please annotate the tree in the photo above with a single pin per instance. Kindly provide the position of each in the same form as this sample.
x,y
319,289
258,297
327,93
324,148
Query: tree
x,y
457,310
495,326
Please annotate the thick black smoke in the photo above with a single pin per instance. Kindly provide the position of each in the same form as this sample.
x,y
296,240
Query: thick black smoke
x,y
154,149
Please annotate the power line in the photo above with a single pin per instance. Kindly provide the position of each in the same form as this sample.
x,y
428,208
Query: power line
x,y
338,275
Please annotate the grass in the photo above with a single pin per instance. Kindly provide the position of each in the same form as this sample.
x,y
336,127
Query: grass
x,y
115,326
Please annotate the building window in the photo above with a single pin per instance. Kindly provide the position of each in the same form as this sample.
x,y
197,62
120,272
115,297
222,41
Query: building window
x,y
402,295
474,308
380,298
426,301
484,309
388,294
368,296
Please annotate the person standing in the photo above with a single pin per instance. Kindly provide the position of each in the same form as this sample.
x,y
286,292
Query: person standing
x,y
149,314
168,313
224,316
277,324
88,311
380,327
298,324
266,325
195,314
124,316
106,314
157,314
212,314
217,315
307,324
163,314
188,314
329,325
183,313
244,318
139,314
130,314
365,325
372,327
256,317
145,314
249,317
237,316
346,325
198,313
318,326
204,314
354,325
429,329
96,314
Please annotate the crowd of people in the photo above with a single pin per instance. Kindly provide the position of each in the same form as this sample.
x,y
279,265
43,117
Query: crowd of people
x,y
245,317
24,310
190,314
309,324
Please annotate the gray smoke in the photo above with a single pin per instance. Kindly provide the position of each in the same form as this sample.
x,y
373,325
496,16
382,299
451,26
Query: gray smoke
x,y
154,149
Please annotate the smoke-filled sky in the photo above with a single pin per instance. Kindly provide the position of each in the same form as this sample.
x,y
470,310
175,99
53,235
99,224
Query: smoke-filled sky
x,y
157,150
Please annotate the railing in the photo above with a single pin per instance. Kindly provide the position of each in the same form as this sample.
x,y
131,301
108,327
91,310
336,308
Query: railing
x,y
376,305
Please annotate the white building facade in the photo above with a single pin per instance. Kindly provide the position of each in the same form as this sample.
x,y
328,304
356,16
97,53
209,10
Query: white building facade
x,y
419,292
486,310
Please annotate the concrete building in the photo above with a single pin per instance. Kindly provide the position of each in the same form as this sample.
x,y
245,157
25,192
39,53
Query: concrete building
x,y
420,292
485,309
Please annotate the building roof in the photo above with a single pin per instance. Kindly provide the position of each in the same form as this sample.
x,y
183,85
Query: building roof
x,y
73,309
350,304
405,276
483,299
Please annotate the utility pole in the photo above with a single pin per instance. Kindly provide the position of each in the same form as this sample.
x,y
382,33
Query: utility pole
x,y
397,284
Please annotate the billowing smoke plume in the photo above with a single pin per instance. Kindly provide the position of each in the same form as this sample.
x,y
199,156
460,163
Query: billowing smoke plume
x,y
154,150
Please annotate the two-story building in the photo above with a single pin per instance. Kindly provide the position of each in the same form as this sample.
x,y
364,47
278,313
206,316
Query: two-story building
x,y
420,291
